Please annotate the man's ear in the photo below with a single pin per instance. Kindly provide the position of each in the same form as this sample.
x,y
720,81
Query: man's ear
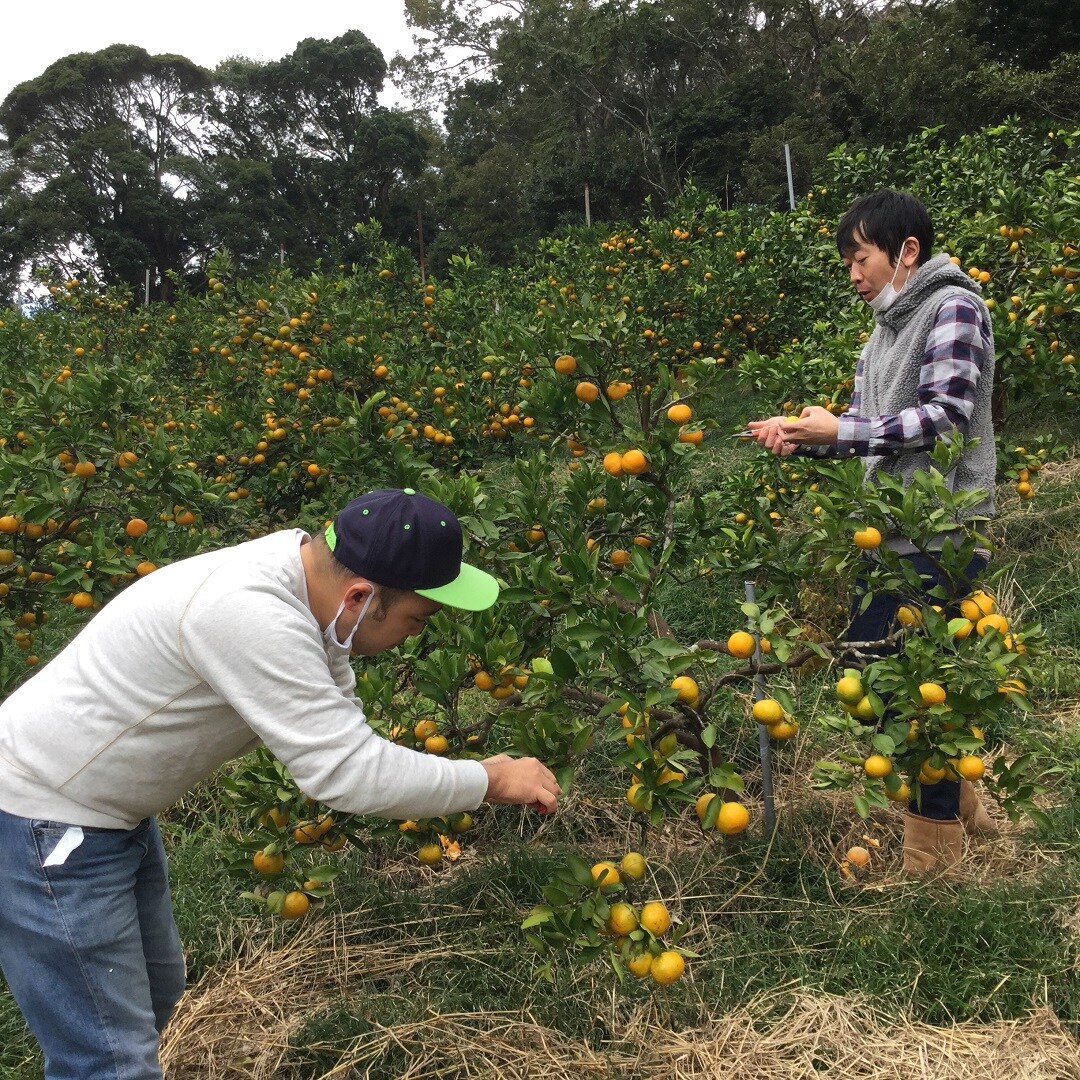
x,y
910,250
357,593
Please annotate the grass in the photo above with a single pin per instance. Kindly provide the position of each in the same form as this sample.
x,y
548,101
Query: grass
x,y
19,1056
981,950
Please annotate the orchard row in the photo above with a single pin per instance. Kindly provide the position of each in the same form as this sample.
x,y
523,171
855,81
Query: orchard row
x,y
568,411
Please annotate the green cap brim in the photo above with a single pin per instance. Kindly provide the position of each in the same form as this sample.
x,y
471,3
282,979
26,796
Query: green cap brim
x,y
472,590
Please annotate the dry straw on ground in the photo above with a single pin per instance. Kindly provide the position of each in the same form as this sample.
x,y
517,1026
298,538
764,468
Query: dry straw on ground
x,y
241,1022
244,1020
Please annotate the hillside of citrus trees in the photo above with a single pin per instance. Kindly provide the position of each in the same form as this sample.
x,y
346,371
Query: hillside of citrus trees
x,y
566,409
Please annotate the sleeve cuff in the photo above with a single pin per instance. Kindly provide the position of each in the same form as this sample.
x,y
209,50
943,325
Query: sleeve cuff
x,y
853,435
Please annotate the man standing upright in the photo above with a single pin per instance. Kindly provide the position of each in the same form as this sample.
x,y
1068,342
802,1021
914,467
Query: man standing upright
x,y
925,374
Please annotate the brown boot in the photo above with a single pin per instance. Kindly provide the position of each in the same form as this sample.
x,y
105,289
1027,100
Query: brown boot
x,y
977,822
931,846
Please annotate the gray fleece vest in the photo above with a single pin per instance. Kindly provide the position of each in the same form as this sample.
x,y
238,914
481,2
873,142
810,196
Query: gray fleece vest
x,y
891,362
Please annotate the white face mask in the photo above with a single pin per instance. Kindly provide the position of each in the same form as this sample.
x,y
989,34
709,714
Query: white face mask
x,y
330,633
887,297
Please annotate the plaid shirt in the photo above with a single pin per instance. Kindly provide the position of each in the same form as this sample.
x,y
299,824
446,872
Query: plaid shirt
x,y
955,353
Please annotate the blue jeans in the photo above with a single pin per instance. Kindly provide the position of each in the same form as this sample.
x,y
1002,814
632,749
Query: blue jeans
x,y
940,801
88,945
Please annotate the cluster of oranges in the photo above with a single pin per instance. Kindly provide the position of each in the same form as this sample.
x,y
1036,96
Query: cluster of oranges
x,y
1025,469
638,794
505,682
271,861
855,700
638,930
437,838
427,734
771,713
982,615
630,463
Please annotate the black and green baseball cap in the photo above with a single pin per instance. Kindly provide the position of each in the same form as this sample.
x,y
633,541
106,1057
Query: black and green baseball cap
x,y
403,539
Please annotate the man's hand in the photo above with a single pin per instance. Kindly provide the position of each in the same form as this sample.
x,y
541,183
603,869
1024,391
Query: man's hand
x,y
771,434
523,781
815,426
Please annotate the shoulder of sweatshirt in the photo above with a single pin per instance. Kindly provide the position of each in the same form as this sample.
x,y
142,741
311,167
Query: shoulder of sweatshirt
x,y
269,562
248,632
247,586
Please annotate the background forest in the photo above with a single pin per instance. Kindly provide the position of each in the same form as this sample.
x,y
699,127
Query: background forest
x,y
116,162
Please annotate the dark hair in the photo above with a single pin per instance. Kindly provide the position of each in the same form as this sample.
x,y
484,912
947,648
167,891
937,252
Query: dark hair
x,y
329,559
886,218
386,597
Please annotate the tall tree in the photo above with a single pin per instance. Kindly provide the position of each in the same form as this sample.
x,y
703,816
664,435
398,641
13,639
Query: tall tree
x,y
628,97
309,131
97,144
1029,36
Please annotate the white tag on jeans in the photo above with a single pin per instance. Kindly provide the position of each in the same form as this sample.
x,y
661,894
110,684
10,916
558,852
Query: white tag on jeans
x,y
71,839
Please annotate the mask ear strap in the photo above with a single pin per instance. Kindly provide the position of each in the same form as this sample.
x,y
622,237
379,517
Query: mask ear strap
x,y
899,263
347,643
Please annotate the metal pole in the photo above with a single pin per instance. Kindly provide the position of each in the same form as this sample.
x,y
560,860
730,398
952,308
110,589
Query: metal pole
x,y
146,287
420,235
764,749
790,182
588,210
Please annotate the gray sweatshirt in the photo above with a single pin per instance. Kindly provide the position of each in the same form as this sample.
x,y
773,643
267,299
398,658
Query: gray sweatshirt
x,y
189,667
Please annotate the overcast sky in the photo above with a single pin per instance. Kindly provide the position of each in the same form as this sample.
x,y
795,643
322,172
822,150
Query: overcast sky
x,y
205,31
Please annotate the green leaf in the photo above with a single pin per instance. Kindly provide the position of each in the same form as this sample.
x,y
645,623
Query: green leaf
x,y
883,744
628,589
581,870
517,595
538,916
562,663
323,873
